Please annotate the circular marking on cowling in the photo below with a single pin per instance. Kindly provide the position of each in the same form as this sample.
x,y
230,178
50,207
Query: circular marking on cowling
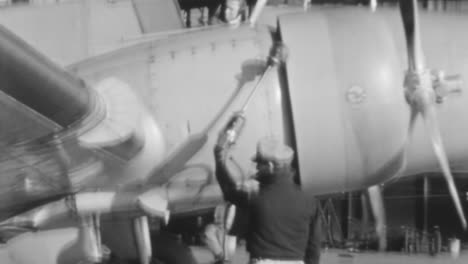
x,y
356,95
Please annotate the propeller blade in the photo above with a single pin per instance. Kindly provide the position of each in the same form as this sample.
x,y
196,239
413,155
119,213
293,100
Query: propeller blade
x,y
412,122
89,238
378,210
143,239
420,94
409,14
430,119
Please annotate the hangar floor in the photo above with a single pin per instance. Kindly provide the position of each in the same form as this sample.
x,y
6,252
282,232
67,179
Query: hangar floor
x,y
334,256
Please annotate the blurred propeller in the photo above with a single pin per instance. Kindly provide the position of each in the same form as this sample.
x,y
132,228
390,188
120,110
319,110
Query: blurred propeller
x,y
378,211
410,16
421,96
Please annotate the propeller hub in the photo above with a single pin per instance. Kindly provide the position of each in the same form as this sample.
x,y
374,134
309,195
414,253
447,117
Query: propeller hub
x,y
430,86
418,89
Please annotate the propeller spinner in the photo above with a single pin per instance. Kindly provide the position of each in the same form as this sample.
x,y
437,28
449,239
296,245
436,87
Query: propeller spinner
x,y
420,93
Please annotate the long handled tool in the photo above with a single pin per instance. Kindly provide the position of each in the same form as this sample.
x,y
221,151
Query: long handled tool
x,y
277,55
236,123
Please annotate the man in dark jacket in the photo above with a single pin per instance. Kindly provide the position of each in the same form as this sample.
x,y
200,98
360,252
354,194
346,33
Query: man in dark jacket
x,y
283,222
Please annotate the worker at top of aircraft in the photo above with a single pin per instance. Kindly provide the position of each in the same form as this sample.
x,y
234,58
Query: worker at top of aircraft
x,y
234,11
283,223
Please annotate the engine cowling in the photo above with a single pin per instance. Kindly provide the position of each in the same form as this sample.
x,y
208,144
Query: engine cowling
x,y
349,111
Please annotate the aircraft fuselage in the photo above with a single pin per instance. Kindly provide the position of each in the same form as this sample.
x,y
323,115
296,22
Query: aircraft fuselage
x,y
339,99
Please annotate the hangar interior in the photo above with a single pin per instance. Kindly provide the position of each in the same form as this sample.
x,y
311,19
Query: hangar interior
x,y
420,218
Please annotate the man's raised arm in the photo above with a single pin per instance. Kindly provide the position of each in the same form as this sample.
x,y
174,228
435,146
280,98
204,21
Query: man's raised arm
x,y
236,191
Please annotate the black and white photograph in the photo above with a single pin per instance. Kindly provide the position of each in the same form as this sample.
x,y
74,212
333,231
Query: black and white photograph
x,y
233,131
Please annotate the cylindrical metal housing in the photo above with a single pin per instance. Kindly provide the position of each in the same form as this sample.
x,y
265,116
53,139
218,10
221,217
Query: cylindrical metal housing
x,y
35,81
347,102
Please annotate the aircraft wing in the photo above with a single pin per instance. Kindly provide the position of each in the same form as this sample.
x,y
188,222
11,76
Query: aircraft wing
x,y
87,28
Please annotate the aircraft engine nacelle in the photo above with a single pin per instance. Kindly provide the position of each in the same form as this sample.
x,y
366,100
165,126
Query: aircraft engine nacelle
x,y
350,116
61,127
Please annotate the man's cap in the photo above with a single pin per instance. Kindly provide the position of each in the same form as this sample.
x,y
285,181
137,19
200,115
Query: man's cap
x,y
274,150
